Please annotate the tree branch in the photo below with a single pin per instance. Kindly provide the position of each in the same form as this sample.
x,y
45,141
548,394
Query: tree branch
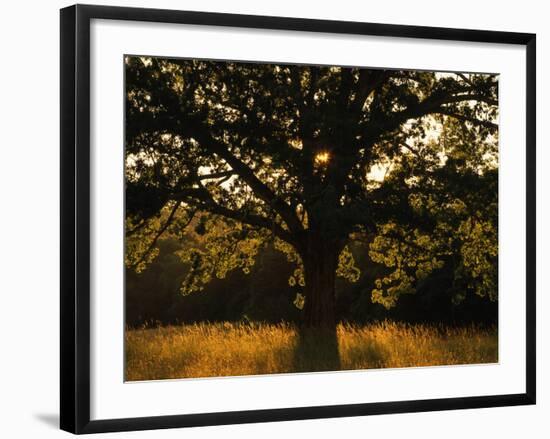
x,y
216,175
465,79
369,80
484,123
160,232
261,190
251,220
432,104
137,228
210,205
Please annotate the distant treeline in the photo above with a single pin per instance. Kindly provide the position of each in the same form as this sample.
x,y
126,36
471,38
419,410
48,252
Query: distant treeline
x,y
153,296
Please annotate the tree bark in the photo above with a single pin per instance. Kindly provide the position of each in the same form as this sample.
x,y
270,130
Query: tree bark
x,y
317,349
320,263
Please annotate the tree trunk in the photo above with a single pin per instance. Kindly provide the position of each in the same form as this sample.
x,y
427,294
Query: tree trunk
x,y
317,348
320,264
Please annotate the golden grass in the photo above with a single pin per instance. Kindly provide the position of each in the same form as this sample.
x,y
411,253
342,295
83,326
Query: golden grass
x,y
230,349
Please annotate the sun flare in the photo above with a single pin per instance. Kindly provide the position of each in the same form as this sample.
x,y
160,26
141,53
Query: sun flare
x,y
322,158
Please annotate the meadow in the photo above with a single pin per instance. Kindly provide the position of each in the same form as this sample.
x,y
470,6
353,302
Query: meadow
x,y
231,349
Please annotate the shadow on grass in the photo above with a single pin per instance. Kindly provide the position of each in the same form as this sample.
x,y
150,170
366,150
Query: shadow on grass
x,y
316,350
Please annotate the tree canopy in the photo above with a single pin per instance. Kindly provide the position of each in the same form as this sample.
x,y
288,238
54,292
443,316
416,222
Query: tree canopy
x,y
309,159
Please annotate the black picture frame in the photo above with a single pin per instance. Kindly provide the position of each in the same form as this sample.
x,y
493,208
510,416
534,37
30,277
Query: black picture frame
x,y
75,217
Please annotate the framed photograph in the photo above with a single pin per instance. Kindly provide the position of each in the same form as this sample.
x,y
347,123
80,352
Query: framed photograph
x,y
268,218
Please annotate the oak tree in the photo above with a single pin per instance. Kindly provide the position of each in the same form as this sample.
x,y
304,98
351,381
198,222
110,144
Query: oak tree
x,y
308,159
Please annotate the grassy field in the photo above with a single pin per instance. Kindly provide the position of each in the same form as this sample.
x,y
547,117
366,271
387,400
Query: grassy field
x,y
230,349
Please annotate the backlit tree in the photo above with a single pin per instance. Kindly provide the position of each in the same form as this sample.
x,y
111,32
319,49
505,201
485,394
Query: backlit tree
x,y
308,159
